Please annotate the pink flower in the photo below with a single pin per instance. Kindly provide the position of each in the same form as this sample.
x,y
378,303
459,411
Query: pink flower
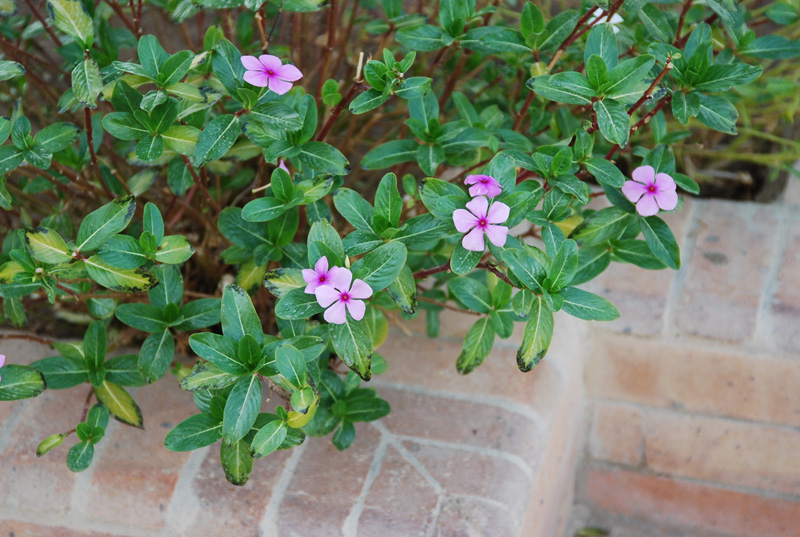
x,y
321,275
341,297
483,185
268,71
651,191
2,361
482,219
282,165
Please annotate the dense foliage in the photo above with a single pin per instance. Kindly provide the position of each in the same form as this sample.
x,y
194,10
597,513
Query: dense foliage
x,y
177,165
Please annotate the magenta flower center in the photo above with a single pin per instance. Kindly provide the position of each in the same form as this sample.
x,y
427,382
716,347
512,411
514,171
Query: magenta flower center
x,y
485,181
651,188
344,297
270,72
482,223
322,279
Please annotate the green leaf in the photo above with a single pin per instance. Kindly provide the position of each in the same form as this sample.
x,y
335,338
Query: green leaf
x,y
207,376
277,116
324,158
199,314
354,208
685,106
239,316
655,22
10,158
87,82
613,120
195,432
772,47
588,306
55,137
435,192
463,261
269,438
718,114
95,345
150,148
51,442
175,68
124,126
169,289
388,203
236,461
369,100
391,153
526,268
297,304
174,249
220,350
72,18
60,372
627,75
80,456
20,382
477,345
557,30
181,138
537,336
661,241
602,225
157,353
382,266
422,38
352,342
216,139
292,365
563,267
605,172
724,77
545,87
241,408
602,42
145,317
636,252
404,291
119,403
124,370
47,246
117,279
9,70
263,209
110,219
473,294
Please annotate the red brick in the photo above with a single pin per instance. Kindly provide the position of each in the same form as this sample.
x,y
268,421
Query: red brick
x,y
724,451
666,374
470,517
461,422
134,468
35,484
474,474
676,503
23,351
333,478
225,509
727,271
617,434
785,305
400,502
15,528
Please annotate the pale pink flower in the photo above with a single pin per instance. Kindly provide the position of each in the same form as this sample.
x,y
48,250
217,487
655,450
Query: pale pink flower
x,y
342,297
321,275
282,165
651,191
268,71
2,361
481,218
483,185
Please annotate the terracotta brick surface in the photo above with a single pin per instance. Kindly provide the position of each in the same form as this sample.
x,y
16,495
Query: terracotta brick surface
x,y
727,270
675,503
470,517
319,476
134,467
724,451
681,376
401,503
785,304
15,528
617,434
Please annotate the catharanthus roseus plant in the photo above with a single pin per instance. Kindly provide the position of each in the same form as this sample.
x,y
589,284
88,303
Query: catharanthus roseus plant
x,y
253,195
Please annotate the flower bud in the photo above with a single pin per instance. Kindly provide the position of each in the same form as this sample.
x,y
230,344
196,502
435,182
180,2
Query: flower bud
x,y
49,443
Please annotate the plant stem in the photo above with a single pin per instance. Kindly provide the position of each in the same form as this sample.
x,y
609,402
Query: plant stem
x,y
200,184
87,114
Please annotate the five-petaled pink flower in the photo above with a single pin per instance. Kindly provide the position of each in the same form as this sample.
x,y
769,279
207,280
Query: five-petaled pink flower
x,y
321,275
2,361
483,185
268,71
481,218
341,297
651,191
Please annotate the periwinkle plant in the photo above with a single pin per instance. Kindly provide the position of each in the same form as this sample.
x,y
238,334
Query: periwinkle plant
x,y
137,183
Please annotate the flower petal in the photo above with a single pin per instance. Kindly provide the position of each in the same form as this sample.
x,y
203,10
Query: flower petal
x,y
321,267
644,174
279,86
326,295
473,240
336,314
289,73
357,308
478,190
312,279
360,289
340,278
472,179
497,235
478,206
464,220
257,78
2,360
665,182
493,189
273,63
633,190
667,200
498,213
647,206
251,63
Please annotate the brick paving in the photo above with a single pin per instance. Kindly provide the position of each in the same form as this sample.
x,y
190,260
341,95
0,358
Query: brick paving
x,y
680,418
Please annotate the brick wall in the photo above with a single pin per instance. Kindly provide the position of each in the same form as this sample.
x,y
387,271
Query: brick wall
x,y
694,393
